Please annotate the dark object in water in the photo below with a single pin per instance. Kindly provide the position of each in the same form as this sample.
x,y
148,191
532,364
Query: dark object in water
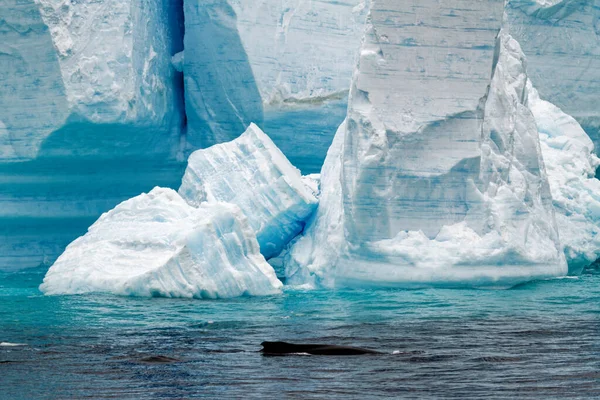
x,y
159,360
284,348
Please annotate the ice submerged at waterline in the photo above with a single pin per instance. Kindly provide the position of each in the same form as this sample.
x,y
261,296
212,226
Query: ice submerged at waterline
x,y
238,203
197,246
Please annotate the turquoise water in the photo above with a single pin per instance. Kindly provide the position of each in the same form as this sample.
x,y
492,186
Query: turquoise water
x,y
540,340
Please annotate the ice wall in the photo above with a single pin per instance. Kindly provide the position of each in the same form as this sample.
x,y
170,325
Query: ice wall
x,y
561,39
91,111
413,128
157,245
438,171
285,65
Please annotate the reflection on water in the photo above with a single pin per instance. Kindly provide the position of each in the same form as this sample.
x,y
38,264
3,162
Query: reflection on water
x,y
540,340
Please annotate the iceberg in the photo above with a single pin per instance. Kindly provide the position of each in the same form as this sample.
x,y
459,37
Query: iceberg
x,y
252,173
285,65
433,187
561,40
157,245
571,165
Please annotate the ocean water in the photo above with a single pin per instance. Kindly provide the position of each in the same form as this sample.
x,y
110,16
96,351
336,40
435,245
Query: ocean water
x,y
539,340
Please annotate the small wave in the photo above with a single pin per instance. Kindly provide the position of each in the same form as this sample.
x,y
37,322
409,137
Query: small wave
x,y
8,344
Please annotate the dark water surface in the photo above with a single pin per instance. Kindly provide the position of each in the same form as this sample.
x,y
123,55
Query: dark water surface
x,y
540,340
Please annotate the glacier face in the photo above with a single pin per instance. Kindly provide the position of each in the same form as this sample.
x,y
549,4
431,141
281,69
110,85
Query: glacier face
x,y
158,245
479,212
561,40
91,112
252,173
284,65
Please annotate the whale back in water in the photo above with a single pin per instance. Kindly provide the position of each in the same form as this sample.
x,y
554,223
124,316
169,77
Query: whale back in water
x,y
284,348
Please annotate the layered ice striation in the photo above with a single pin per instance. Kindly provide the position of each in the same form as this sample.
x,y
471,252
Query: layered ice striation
x,y
561,40
158,245
91,113
252,173
432,186
285,65
67,65
571,165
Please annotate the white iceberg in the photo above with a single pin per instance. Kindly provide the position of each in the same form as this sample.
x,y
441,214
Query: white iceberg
x,y
571,165
430,187
252,173
157,245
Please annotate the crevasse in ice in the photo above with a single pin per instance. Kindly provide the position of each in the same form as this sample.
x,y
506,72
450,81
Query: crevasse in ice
x,y
157,245
252,173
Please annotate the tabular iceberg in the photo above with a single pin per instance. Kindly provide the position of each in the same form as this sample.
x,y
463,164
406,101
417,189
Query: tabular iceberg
x,y
425,186
158,245
285,65
561,40
253,173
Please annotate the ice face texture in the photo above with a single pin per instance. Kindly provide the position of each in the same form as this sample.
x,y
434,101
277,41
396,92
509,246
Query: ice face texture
x,y
561,40
158,245
433,190
571,164
102,62
285,65
252,173
91,112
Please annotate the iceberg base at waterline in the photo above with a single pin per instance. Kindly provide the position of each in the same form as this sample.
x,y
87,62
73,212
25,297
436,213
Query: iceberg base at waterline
x,y
156,244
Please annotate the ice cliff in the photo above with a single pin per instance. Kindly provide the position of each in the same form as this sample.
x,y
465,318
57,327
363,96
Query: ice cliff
x,y
68,67
480,211
158,245
285,65
561,39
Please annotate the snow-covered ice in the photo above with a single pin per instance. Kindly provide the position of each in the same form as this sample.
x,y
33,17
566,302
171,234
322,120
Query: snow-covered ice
x,y
158,245
571,164
253,173
428,186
